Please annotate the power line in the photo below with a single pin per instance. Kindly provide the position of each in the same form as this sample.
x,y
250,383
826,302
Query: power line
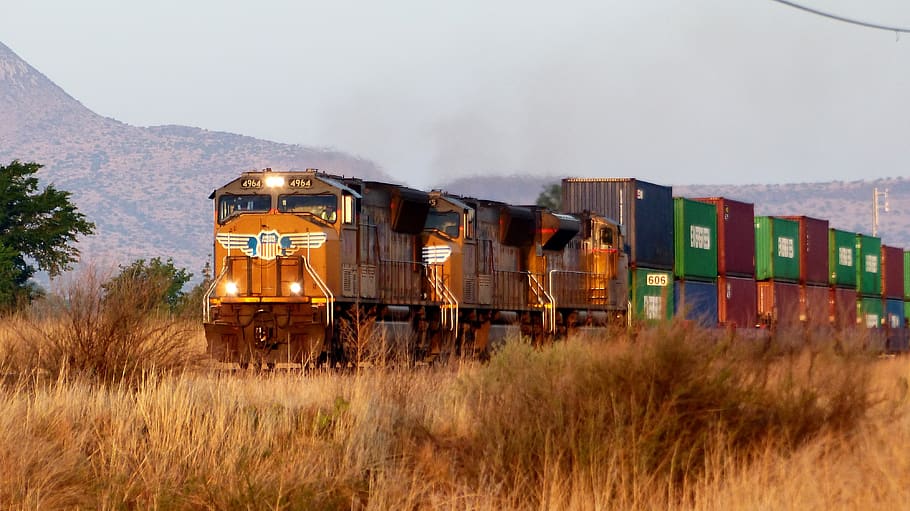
x,y
843,18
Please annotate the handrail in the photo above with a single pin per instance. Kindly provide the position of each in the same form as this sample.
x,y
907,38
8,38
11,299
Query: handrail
x,y
329,296
449,309
206,305
549,314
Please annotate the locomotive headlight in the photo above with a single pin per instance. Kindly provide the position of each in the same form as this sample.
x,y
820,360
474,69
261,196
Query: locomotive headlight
x,y
230,288
295,288
274,181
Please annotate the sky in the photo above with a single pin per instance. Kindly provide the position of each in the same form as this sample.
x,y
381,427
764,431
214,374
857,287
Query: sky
x,y
671,91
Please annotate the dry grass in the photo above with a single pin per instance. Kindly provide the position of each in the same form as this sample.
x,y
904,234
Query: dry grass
x,y
671,418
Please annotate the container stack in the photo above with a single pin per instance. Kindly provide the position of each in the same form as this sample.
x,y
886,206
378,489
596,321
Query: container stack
x,y
869,309
695,286
893,298
842,271
645,211
906,286
736,290
814,292
777,265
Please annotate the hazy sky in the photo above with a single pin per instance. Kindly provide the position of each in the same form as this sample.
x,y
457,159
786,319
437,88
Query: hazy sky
x,y
677,92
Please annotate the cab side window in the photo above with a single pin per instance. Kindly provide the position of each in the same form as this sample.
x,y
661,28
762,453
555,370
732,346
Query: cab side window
x,y
606,236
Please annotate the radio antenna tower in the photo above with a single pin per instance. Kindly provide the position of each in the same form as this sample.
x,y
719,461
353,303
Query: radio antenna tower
x,y
877,198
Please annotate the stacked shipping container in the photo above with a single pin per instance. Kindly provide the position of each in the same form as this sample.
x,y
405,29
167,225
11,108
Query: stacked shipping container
x,y
736,291
842,277
777,270
695,233
906,287
645,211
869,306
814,295
892,271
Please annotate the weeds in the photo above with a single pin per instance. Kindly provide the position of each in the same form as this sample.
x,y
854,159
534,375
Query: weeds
x,y
672,417
654,410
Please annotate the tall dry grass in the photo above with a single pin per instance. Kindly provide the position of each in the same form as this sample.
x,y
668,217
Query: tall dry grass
x,y
673,417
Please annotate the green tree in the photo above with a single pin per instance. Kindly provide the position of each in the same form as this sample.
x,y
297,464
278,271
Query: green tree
x,y
550,197
152,284
35,226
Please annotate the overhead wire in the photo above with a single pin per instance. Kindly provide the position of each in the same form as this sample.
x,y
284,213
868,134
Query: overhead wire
x,y
843,18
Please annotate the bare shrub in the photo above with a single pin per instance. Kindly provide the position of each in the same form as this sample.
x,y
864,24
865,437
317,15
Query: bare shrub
x,y
107,336
367,342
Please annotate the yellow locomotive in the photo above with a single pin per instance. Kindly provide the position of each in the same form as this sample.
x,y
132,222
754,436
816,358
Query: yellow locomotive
x,y
300,255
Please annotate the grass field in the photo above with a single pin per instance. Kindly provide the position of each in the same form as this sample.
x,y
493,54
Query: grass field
x,y
670,418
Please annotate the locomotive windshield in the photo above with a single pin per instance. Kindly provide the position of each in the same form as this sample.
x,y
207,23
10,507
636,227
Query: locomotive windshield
x,y
324,206
230,205
447,223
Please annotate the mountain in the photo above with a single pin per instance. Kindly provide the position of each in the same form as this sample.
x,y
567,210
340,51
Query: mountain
x,y
846,205
145,188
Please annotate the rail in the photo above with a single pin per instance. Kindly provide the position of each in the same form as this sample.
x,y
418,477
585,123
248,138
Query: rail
x,y
545,300
449,307
206,305
329,296
586,288
399,279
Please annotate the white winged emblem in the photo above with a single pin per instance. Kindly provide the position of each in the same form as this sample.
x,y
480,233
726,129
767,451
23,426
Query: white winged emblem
x,y
268,245
436,254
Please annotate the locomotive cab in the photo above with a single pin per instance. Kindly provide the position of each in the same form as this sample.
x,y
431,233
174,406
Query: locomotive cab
x,y
447,236
276,235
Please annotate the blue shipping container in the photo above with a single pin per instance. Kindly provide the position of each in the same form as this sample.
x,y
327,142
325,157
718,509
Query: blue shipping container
x,y
696,301
894,320
894,313
644,209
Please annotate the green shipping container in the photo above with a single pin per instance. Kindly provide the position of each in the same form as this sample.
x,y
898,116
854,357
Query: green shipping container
x,y
842,258
776,249
868,265
906,309
906,276
652,294
869,312
695,227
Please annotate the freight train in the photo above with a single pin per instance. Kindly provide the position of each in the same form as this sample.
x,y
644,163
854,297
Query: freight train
x,y
304,259
309,267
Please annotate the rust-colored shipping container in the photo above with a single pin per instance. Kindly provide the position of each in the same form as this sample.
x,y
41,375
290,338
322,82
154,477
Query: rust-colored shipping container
x,y
736,301
813,249
842,303
814,306
892,272
735,236
778,303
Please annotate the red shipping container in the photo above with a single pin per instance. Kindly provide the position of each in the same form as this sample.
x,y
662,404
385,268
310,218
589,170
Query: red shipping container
x,y
892,272
778,303
735,236
736,301
813,249
814,306
842,303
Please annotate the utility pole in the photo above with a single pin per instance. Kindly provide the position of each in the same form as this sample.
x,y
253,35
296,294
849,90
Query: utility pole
x,y
877,197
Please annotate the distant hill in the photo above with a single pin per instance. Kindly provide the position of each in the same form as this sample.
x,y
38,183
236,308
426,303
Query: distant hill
x,y
146,189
